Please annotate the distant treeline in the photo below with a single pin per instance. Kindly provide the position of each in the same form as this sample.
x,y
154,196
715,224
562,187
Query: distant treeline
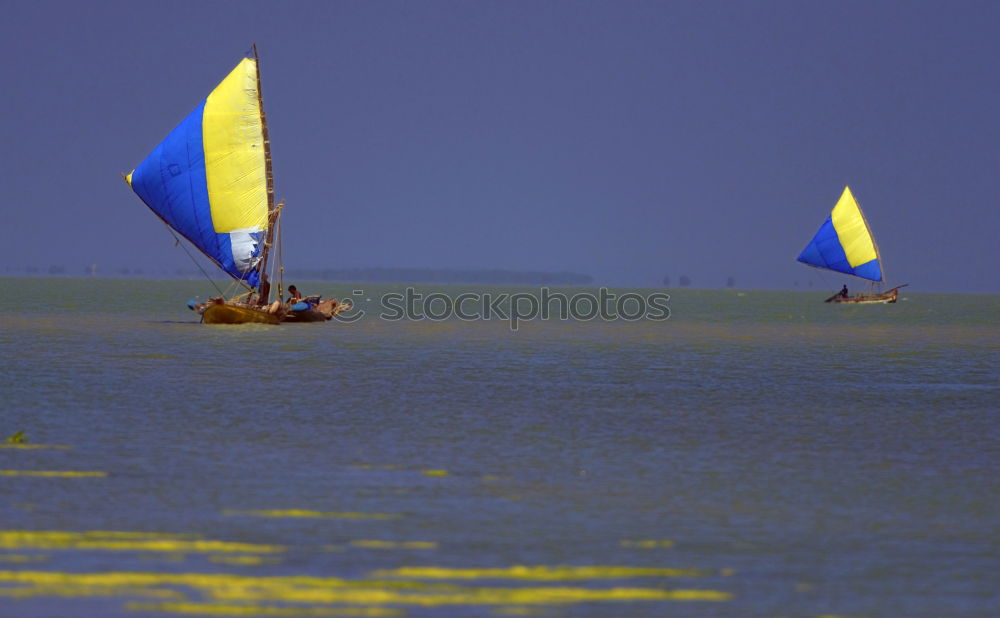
x,y
434,275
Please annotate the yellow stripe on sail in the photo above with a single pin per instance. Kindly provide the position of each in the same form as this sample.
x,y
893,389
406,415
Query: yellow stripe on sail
x,y
852,230
234,152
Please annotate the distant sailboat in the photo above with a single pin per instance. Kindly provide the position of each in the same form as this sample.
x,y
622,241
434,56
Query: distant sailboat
x,y
211,182
845,244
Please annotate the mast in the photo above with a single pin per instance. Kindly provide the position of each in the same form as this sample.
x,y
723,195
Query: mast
x,y
272,212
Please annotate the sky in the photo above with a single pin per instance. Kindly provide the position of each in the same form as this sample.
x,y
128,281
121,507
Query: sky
x,y
628,140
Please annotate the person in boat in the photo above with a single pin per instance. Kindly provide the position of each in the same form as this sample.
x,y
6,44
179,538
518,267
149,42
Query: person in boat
x,y
294,295
843,291
265,290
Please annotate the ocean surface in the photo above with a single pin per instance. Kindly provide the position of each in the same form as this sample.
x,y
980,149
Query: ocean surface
x,y
756,454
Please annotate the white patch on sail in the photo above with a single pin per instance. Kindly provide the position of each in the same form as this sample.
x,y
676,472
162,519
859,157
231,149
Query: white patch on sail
x,y
245,244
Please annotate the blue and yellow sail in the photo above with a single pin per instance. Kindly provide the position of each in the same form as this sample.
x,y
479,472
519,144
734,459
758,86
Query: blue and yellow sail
x,y
208,179
844,242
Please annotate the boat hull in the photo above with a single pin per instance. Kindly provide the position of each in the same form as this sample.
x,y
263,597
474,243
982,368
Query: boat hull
x,y
322,312
221,312
868,299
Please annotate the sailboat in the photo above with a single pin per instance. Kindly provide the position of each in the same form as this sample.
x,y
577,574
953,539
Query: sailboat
x,y
211,182
845,244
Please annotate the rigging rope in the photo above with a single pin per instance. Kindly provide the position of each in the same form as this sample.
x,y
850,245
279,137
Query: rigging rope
x,y
182,246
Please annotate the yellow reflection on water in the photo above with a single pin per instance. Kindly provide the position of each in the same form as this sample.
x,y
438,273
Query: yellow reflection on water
x,y
221,591
244,560
541,573
132,534
373,544
518,610
123,541
69,589
436,472
649,544
306,513
34,447
55,473
371,593
213,609
380,593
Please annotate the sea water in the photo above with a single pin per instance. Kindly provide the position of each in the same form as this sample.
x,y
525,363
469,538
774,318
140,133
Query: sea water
x,y
758,453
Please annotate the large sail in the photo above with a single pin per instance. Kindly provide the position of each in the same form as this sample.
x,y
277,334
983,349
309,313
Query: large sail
x,y
208,178
844,243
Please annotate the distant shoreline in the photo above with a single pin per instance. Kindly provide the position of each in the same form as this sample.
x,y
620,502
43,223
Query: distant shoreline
x,y
349,275
296,276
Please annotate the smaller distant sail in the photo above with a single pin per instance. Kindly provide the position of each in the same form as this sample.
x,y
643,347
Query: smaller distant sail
x,y
207,180
844,243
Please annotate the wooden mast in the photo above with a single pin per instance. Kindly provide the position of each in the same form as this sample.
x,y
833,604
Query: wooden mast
x,y
272,212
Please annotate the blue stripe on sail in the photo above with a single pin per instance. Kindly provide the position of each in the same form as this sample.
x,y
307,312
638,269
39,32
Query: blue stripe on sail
x,y
824,250
869,270
171,181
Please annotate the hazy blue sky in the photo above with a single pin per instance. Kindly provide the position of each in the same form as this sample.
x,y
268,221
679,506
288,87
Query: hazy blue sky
x,y
627,140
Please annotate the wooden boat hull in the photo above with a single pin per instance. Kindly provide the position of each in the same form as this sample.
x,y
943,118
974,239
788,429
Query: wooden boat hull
x,y
321,312
221,312
868,299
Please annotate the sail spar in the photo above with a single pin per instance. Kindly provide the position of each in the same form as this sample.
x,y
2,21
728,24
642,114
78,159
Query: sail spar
x,y
844,242
207,180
